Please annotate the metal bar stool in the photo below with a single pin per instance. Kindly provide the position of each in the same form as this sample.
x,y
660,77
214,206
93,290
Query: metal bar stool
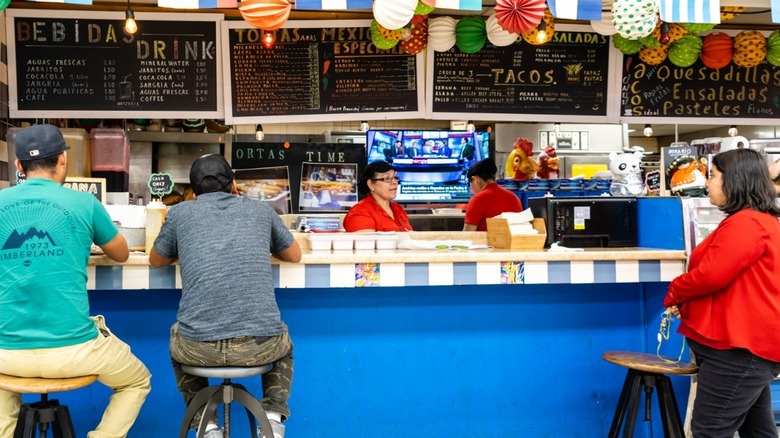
x,y
647,371
46,411
227,392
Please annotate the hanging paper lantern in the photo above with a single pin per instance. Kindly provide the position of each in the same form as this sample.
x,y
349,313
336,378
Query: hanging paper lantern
x,y
717,50
604,26
730,12
634,19
265,14
382,38
625,45
441,33
749,48
394,14
4,4
518,16
773,48
673,32
697,27
423,8
418,39
470,35
685,51
431,3
533,36
496,34
655,56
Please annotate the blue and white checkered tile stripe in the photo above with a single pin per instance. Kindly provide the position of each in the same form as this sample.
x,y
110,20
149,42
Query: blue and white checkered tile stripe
x,y
412,274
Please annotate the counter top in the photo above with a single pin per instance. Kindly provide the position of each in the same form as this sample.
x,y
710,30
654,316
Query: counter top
x,y
401,267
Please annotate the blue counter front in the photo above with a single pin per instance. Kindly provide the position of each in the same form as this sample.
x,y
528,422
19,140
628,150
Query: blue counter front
x,y
445,348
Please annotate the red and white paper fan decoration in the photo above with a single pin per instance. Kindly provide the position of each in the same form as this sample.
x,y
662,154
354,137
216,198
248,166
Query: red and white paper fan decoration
x,y
497,35
441,33
518,16
394,14
265,14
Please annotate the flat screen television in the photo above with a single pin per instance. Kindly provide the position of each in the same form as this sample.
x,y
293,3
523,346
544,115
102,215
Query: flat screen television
x,y
431,164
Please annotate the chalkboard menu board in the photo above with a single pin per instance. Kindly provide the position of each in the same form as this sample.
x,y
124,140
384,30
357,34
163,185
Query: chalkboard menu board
x,y
316,70
82,64
696,93
567,76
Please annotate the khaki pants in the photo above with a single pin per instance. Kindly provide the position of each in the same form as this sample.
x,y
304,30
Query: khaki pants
x,y
106,355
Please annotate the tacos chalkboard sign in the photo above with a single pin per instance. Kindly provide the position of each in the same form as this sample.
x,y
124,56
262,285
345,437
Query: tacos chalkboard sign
x,y
566,76
82,64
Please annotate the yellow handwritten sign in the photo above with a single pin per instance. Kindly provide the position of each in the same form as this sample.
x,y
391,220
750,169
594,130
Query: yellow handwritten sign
x,y
96,186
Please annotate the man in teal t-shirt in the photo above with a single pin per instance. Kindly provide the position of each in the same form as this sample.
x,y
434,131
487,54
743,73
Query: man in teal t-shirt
x,y
46,233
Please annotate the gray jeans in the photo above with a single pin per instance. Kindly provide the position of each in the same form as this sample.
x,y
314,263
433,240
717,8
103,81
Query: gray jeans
x,y
244,351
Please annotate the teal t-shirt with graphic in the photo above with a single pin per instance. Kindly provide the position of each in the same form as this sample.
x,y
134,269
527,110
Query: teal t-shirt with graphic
x,y
46,232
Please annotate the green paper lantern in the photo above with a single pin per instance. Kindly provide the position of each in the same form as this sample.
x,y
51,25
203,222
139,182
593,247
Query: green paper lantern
x,y
423,9
470,34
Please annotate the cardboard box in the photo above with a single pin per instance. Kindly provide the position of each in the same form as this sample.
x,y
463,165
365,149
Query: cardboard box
x,y
499,236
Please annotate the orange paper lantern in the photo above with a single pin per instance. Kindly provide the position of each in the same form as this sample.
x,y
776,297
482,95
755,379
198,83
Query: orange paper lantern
x,y
265,14
717,50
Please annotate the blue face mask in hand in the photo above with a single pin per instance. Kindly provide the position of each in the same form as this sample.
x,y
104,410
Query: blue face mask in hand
x,y
664,332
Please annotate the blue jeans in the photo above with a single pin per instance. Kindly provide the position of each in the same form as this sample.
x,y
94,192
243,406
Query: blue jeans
x,y
732,394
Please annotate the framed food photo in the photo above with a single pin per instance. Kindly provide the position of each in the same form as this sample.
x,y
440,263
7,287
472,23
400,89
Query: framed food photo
x,y
328,186
267,184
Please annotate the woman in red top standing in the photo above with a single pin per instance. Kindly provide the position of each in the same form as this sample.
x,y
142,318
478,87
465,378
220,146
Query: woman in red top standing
x,y
377,211
490,199
729,302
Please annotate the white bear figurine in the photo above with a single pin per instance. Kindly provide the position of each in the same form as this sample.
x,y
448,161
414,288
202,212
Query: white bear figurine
x,y
626,174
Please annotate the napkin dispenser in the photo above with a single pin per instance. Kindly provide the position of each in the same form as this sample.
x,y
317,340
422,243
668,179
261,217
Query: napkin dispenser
x,y
500,235
588,222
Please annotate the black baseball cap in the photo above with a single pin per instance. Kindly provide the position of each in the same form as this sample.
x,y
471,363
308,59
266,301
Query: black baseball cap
x,y
213,165
39,141
485,169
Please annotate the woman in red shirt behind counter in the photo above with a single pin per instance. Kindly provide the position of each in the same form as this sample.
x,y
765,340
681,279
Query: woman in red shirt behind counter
x,y
377,211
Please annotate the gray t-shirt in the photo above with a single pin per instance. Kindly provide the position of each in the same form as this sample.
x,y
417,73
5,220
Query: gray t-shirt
x,y
224,245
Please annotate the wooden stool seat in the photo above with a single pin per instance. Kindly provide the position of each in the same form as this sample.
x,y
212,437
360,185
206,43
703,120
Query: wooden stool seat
x,y
648,362
645,372
39,385
45,412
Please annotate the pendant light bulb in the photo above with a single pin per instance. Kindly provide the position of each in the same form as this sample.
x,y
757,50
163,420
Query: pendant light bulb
x,y
259,134
268,39
364,126
648,130
557,127
541,34
733,131
130,25
470,128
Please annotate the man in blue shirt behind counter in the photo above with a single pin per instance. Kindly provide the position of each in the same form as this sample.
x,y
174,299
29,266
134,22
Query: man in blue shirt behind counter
x,y
46,233
228,314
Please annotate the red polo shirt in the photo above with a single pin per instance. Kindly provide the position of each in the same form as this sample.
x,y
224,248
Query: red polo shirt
x,y
490,202
369,215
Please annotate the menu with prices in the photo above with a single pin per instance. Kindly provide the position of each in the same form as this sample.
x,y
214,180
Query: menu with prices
x,y
567,76
84,63
317,69
744,95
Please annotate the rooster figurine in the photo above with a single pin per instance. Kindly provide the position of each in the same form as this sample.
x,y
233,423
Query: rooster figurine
x,y
520,164
549,164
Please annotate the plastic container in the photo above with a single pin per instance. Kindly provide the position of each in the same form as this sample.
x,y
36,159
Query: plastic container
x,y
78,154
155,215
110,158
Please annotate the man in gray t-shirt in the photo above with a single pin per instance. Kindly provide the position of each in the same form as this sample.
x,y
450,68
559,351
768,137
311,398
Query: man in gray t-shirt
x,y
228,314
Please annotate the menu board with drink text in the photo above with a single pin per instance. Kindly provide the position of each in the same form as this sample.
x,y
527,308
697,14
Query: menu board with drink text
x,y
83,64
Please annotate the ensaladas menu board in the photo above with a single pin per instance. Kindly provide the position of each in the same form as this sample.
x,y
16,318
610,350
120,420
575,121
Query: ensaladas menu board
x,y
316,70
566,76
696,93
83,64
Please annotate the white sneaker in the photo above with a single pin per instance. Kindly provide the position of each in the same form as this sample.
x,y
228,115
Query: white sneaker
x,y
276,426
214,433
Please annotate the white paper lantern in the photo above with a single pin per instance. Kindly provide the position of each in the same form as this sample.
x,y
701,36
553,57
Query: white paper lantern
x,y
497,35
634,19
604,26
394,14
441,33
